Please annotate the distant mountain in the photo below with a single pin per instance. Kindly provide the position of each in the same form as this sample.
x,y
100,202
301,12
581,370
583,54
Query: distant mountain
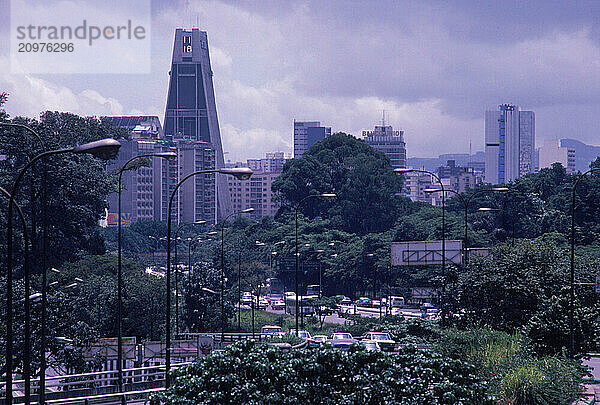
x,y
584,154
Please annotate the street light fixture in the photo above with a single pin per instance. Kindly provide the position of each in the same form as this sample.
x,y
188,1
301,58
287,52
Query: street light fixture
x,y
104,149
240,173
164,155
465,202
245,211
572,273
175,239
401,171
324,195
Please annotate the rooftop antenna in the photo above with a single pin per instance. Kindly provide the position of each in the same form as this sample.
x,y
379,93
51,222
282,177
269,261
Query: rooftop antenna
x,y
383,118
470,154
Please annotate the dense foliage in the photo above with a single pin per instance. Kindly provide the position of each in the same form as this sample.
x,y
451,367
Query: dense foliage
x,y
253,373
361,177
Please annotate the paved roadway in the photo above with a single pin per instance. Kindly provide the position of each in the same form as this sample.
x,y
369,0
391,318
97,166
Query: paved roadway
x,y
364,312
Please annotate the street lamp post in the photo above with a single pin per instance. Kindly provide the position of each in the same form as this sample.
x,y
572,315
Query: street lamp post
x,y
165,155
106,149
27,368
175,239
241,173
401,171
27,300
246,211
465,202
325,195
572,273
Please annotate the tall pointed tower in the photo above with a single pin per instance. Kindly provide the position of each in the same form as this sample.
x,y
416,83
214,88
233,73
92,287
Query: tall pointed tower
x,y
191,116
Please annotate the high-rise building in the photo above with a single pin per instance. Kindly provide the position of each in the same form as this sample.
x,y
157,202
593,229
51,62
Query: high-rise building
x,y
191,121
552,151
140,197
256,193
196,198
509,144
388,141
306,134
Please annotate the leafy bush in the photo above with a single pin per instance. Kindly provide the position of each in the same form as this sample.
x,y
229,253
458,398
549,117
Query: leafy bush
x,y
254,373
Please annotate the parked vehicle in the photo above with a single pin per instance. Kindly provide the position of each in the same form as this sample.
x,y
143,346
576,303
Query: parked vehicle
x,y
430,314
426,306
383,340
289,294
346,301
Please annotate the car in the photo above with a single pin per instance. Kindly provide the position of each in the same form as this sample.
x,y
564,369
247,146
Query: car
x,y
263,304
341,336
246,299
342,344
364,302
426,306
289,294
319,339
430,314
371,346
396,311
383,340
346,301
325,310
304,334
272,331
278,305
376,303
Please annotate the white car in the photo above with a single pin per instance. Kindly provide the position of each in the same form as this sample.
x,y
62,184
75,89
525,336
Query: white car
x,y
304,334
246,299
278,305
383,340
272,330
341,336
263,303
371,346
396,312
289,294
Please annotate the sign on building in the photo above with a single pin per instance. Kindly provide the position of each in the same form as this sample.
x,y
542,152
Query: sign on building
x,y
425,252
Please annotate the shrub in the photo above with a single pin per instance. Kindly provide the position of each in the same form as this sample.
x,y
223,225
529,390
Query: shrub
x,y
254,373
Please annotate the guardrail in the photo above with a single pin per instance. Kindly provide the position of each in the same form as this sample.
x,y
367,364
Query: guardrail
x,y
95,384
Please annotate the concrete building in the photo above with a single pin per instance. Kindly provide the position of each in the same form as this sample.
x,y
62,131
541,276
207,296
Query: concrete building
x,y
415,183
383,138
191,121
509,144
256,193
306,134
140,197
552,151
196,198
459,178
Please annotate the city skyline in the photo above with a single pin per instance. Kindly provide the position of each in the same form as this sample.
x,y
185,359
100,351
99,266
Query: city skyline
x,y
435,80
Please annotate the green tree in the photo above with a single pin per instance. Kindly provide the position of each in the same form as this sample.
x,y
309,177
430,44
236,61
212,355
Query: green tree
x,y
361,177
254,373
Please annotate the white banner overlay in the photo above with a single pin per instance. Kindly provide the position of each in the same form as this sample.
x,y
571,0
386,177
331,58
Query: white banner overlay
x,y
74,36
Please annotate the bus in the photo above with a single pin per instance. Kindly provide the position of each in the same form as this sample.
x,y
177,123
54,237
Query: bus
x,y
305,307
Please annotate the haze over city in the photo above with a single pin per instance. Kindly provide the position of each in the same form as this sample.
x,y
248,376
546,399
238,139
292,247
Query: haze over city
x,y
433,67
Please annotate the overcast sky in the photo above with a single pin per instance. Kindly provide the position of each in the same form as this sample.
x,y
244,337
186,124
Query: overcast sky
x,y
433,66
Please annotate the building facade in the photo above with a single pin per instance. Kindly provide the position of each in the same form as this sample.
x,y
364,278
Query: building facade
x,y
256,193
191,121
383,138
306,134
509,144
552,152
139,197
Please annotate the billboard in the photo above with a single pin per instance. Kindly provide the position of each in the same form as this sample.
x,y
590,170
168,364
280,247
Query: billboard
x,y
425,252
